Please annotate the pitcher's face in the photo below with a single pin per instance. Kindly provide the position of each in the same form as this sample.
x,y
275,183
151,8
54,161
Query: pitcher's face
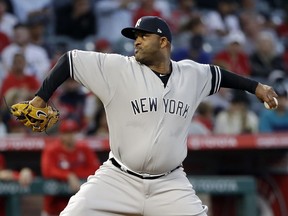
x,y
147,46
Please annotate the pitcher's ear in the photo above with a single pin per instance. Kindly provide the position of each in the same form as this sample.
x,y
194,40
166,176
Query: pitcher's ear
x,y
164,42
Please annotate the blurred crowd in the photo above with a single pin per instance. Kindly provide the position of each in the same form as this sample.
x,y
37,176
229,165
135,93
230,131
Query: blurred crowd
x,y
248,37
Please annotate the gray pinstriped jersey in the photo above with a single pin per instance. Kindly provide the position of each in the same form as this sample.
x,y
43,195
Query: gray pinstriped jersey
x,y
148,123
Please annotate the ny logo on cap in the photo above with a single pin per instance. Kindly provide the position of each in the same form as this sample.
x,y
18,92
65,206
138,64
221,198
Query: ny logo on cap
x,y
159,31
138,22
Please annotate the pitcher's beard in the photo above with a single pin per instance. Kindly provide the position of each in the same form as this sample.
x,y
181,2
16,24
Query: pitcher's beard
x,y
143,60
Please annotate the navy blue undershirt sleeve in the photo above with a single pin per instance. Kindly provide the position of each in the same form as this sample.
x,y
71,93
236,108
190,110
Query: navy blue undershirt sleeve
x,y
58,74
232,80
226,79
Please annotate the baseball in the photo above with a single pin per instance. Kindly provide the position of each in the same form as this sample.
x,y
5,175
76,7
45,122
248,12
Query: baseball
x,y
268,107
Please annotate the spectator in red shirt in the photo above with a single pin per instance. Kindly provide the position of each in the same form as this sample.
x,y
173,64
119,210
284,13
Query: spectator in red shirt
x,y
146,8
66,160
17,79
234,58
24,177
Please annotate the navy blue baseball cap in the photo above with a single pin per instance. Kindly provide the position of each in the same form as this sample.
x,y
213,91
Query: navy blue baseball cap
x,y
149,24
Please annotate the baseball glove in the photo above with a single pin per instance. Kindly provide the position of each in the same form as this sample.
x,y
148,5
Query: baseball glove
x,y
39,119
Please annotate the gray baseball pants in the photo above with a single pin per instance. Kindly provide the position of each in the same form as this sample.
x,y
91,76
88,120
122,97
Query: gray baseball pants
x,y
112,192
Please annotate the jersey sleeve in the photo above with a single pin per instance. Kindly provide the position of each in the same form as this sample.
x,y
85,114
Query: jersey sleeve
x,y
215,79
208,79
98,72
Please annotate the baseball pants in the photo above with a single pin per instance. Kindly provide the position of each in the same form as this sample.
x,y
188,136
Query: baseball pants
x,y
112,192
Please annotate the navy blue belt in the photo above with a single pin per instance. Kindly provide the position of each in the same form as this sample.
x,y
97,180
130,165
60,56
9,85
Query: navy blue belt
x,y
142,176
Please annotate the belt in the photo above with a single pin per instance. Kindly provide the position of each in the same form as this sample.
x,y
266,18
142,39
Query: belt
x,y
142,176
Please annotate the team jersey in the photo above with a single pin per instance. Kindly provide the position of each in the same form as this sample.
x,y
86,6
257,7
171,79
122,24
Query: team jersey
x,y
148,123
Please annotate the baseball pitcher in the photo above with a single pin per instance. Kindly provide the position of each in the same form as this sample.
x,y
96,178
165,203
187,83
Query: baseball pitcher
x,y
149,102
